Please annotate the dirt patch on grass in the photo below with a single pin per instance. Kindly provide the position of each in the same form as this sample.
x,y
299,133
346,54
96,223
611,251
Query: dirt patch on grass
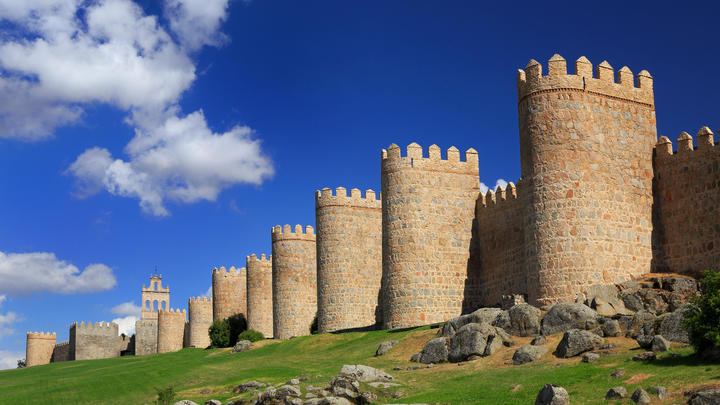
x,y
219,351
410,345
638,378
608,365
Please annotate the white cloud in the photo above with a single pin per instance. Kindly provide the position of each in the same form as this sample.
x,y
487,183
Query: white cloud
x,y
208,293
498,183
9,359
40,271
7,320
126,309
197,22
126,325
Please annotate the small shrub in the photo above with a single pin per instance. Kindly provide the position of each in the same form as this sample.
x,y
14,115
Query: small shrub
x,y
251,335
165,396
703,321
238,325
21,363
219,333
314,325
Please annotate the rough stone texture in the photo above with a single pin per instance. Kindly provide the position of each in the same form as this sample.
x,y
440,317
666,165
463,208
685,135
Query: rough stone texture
x,y
671,326
708,397
642,323
645,356
434,351
470,340
200,312
661,392
154,298
645,341
171,328
363,373
660,344
39,348
524,320
577,341
640,396
61,352
98,341
259,294
349,259
552,395
616,393
605,300
427,225
590,357
229,290
294,281
492,316
565,316
242,346
528,353
538,341
611,328
146,337
385,347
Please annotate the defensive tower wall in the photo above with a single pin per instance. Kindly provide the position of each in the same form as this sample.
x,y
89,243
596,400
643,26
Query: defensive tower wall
x,y
229,292
427,220
154,298
501,244
171,330
146,336
61,352
93,341
349,258
294,281
200,312
686,204
259,294
39,348
586,161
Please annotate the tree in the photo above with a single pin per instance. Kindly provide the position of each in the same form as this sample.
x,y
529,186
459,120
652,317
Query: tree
x,y
21,363
703,319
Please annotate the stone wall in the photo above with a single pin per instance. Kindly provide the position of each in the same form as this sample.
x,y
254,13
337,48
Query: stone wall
x,y
61,352
427,220
686,204
200,312
93,341
154,298
586,155
349,258
501,245
229,292
39,348
146,337
294,281
171,330
259,294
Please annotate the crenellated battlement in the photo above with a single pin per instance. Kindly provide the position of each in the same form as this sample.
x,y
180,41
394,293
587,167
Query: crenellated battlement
x,y
325,198
41,335
415,157
263,258
287,233
199,300
500,196
173,312
705,143
638,89
96,325
231,272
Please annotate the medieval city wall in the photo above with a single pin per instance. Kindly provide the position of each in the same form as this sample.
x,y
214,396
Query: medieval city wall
x,y
146,337
200,313
586,155
686,204
427,221
349,258
94,341
171,330
61,352
229,292
259,294
39,348
294,281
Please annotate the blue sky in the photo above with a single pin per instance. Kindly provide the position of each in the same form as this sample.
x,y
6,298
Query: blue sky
x,y
177,132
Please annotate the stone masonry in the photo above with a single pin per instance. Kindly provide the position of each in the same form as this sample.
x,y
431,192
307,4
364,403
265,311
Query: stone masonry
x,y
349,258
259,294
171,330
39,348
200,312
94,341
294,281
229,294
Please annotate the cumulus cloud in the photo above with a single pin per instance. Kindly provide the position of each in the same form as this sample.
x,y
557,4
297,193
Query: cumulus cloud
x,y
128,314
126,309
197,22
9,359
499,183
126,325
40,271
7,320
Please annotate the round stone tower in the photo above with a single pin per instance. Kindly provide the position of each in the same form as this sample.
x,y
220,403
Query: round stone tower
x,y
171,330
427,220
586,146
200,312
349,258
229,294
259,294
294,281
39,348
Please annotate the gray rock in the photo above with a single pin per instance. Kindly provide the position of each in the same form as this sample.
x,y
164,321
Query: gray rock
x,y
565,316
365,373
469,340
617,374
611,328
524,320
661,392
552,395
604,299
590,357
645,341
683,285
672,328
633,302
185,402
538,340
654,300
379,384
434,351
367,397
486,315
660,344
494,343
289,391
242,346
640,397
616,393
212,402
385,347
328,401
415,358
344,387
642,323
248,386
708,397
528,353
293,381
645,356
576,341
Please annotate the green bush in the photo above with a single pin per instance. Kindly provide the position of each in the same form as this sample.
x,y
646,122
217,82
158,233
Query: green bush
x,y
220,333
703,320
238,325
251,335
165,396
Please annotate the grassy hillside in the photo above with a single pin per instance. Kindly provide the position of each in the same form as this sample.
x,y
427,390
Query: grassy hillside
x,y
204,374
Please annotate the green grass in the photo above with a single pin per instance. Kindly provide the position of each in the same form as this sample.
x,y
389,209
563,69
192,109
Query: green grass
x,y
135,380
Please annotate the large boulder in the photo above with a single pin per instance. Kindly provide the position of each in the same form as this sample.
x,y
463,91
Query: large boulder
x,y
242,346
672,328
604,299
486,315
565,316
528,353
616,393
708,397
364,373
641,397
552,395
660,344
611,328
385,347
524,320
655,301
576,341
434,351
642,323
470,340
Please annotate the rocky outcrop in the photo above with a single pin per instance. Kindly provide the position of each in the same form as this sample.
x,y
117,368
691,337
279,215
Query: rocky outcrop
x,y
552,395
385,347
672,328
575,342
491,316
435,351
565,316
527,354
524,320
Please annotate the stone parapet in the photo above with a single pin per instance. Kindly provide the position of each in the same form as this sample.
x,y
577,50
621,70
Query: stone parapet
x,y
171,330
229,292
259,294
39,348
200,313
